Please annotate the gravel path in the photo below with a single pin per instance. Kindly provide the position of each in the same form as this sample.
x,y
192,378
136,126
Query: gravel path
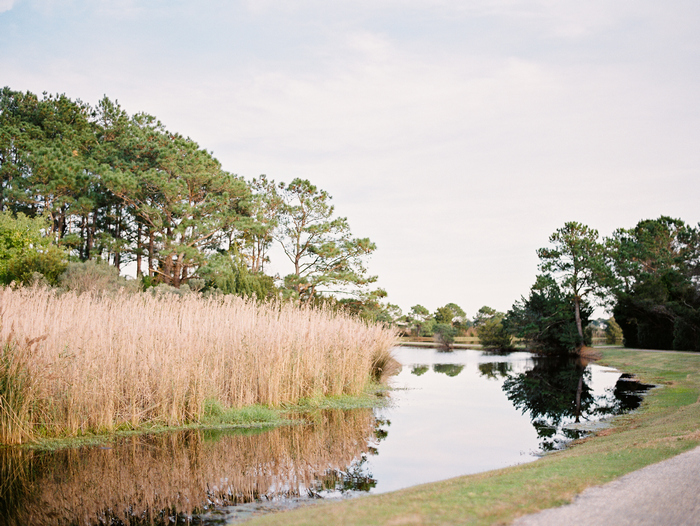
x,y
667,493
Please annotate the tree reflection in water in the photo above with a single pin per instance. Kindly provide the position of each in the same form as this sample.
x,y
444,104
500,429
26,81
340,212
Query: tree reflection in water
x,y
556,392
495,370
419,370
154,479
450,369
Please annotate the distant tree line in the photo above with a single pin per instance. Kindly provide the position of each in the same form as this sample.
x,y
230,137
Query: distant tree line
x,y
81,183
444,324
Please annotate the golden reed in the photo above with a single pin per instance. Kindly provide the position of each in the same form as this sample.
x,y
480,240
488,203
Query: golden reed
x,y
72,364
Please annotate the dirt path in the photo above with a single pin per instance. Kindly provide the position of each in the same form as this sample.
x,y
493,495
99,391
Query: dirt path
x,y
667,493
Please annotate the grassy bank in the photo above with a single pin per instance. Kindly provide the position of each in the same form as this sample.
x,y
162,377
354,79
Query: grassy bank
x,y
667,424
74,365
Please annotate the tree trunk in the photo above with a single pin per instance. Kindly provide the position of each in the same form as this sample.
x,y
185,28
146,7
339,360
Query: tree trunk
x,y
579,390
90,235
150,253
118,236
577,312
139,274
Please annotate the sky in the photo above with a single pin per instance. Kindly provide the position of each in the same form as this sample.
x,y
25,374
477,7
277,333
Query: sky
x,y
458,136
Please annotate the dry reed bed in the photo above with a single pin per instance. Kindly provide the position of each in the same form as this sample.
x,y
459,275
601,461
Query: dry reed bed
x,y
76,364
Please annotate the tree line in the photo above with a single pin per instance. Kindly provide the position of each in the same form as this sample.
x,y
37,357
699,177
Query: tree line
x,y
82,183
648,276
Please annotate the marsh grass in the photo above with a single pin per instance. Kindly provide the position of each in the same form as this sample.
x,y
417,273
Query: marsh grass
x,y
89,363
15,392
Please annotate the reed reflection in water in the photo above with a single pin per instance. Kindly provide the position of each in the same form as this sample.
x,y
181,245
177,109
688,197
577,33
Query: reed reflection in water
x,y
149,478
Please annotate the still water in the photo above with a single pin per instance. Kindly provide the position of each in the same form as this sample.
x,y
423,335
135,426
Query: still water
x,y
450,414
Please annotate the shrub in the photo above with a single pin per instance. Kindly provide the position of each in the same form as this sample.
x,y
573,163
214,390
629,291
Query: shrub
x,y
493,335
26,252
96,277
613,333
445,334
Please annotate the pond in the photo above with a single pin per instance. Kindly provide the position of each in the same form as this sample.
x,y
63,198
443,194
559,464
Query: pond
x,y
450,414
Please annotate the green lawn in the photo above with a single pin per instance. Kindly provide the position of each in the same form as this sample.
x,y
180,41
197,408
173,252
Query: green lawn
x,y
667,424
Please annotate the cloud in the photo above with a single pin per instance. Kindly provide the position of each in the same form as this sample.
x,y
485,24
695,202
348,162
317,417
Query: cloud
x,y
6,5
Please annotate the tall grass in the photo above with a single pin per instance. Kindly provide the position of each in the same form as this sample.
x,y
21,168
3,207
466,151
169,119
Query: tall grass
x,y
90,363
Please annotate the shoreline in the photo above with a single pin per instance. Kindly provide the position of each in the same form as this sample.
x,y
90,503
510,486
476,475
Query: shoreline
x,y
666,425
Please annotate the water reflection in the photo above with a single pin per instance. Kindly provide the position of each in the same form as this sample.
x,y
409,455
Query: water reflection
x,y
452,414
419,370
469,411
157,478
450,369
556,389
495,370
556,392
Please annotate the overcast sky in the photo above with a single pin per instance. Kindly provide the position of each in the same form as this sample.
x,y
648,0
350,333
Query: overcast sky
x,y
457,135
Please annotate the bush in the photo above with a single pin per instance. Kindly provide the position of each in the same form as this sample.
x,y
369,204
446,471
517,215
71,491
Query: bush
x,y
445,334
493,335
613,333
97,277
226,273
26,252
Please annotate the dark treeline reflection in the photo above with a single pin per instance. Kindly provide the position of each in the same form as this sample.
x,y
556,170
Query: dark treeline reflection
x,y
450,369
556,392
154,479
495,370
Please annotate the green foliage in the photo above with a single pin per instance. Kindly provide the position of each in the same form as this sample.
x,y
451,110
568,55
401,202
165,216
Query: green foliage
x,y
450,320
495,370
419,312
493,335
490,329
26,253
546,320
444,334
325,256
451,314
449,369
257,232
369,307
577,262
228,274
416,318
483,314
419,370
444,315
95,276
613,333
179,192
427,328
657,301
549,393
122,189
214,414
